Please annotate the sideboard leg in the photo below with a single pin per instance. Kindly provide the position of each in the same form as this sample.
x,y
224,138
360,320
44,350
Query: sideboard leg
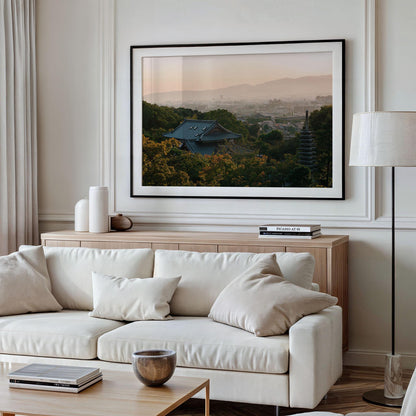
x,y
277,410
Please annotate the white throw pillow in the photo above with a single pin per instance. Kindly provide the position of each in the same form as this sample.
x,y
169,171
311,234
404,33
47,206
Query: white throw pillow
x,y
124,299
266,304
204,276
22,288
70,270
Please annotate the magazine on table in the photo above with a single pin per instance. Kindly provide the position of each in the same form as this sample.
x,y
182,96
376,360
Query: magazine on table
x,y
54,377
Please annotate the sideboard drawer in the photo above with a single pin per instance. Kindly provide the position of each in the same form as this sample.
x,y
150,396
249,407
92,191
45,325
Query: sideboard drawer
x,y
115,244
165,246
203,248
62,243
223,248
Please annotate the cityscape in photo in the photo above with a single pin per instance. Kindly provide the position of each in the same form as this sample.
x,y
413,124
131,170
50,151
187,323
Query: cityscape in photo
x,y
255,120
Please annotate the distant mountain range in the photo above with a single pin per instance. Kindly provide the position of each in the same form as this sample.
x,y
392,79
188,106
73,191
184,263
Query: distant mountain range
x,y
287,89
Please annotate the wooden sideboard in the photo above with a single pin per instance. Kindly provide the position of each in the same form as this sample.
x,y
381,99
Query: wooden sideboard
x,y
330,251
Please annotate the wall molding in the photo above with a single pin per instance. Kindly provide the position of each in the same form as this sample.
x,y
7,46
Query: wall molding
x,y
368,218
231,222
370,96
370,55
106,97
375,359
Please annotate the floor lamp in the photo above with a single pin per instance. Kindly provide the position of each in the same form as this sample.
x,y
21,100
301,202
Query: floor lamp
x,y
386,138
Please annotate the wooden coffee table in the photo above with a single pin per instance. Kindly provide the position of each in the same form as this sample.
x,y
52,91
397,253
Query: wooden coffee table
x,y
120,393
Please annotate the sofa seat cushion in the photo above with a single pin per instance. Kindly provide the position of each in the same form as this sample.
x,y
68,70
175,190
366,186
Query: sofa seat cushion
x,y
64,334
199,342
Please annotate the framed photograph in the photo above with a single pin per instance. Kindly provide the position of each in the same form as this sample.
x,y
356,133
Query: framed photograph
x,y
241,120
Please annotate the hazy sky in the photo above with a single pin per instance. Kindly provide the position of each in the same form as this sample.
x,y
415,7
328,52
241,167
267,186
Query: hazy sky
x,y
162,74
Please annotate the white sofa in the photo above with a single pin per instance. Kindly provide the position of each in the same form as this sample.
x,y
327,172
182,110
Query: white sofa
x,y
293,370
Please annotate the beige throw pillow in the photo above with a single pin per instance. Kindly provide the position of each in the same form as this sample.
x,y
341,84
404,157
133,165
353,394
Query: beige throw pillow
x,y
36,257
22,288
130,299
266,304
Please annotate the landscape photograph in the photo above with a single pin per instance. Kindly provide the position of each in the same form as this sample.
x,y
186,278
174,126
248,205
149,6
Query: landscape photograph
x,y
237,120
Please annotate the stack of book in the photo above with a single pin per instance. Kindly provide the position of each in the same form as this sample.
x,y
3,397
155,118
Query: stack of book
x,y
54,377
289,231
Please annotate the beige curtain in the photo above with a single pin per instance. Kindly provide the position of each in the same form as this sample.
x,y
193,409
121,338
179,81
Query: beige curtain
x,y
18,152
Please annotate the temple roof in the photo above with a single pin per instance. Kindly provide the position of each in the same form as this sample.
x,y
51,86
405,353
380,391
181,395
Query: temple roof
x,y
202,130
201,136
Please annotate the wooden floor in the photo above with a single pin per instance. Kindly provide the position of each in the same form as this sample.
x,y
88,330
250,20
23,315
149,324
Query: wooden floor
x,y
344,397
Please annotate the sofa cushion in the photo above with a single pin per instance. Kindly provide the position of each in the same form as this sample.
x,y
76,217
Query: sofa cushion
x,y
132,299
282,303
65,334
22,288
199,342
205,275
70,270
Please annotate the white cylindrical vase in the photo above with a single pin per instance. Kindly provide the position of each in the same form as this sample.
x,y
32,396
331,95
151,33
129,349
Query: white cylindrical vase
x,y
98,209
393,385
82,215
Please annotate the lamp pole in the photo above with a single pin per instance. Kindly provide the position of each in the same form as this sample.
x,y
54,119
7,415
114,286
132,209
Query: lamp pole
x,y
393,264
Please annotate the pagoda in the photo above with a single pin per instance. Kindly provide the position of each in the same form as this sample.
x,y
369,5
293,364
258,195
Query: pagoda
x,y
307,148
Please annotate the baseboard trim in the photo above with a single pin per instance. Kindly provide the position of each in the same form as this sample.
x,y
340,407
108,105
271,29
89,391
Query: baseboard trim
x,y
375,359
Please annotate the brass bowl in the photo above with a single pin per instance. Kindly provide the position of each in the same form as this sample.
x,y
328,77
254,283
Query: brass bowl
x,y
154,367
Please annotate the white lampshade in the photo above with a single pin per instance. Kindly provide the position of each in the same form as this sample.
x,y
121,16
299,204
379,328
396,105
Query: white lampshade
x,y
383,138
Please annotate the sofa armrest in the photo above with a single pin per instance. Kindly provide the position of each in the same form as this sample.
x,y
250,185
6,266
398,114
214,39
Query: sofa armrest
x,y
315,356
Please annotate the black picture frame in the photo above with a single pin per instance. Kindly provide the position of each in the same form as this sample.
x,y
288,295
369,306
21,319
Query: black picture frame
x,y
332,50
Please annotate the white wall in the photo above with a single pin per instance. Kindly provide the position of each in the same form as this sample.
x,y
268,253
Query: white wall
x,y
78,118
216,21
68,103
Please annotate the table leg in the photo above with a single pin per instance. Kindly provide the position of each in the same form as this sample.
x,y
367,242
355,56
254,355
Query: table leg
x,y
207,399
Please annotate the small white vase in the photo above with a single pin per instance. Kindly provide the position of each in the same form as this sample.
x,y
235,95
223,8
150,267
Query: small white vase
x,y
98,209
82,215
